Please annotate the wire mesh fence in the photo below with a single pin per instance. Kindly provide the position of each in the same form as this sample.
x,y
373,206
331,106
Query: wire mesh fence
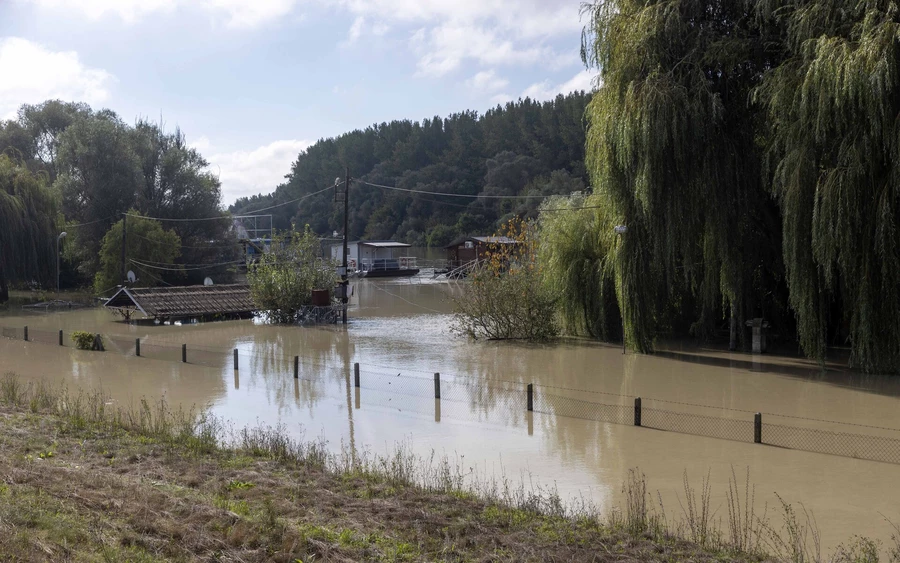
x,y
698,425
860,446
408,390
559,405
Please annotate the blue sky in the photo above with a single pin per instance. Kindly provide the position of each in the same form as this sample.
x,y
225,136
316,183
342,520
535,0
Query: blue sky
x,y
253,82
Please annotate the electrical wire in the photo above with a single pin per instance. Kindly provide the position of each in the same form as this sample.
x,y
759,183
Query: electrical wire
x,y
477,196
205,267
301,198
211,247
75,226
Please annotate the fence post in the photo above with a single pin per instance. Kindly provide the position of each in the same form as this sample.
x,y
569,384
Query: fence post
x,y
137,347
235,359
184,353
757,428
296,367
356,375
26,333
437,385
61,337
530,396
637,411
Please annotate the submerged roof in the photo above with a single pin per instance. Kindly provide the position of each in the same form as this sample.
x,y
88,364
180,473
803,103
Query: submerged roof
x,y
378,243
485,240
184,301
384,243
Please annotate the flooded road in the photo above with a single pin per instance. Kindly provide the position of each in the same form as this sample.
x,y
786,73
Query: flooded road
x,y
400,335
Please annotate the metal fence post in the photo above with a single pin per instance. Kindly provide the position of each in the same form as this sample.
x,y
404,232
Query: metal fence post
x,y
637,411
235,359
61,337
296,367
437,385
26,333
184,353
137,347
530,396
356,375
757,428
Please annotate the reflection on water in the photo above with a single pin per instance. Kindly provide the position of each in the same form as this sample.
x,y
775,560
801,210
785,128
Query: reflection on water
x,y
399,334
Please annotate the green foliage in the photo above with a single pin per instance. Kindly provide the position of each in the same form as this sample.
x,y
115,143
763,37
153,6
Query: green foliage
x,y
578,254
282,281
101,167
506,298
521,148
146,241
87,340
834,142
674,148
707,110
27,231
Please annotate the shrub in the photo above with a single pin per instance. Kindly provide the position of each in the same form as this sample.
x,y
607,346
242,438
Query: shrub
x,y
282,282
87,341
506,298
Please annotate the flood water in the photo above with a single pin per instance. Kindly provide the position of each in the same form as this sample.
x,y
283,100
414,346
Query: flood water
x,y
400,335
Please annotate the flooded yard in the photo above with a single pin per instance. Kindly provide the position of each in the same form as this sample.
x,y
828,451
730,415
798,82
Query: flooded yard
x,y
400,335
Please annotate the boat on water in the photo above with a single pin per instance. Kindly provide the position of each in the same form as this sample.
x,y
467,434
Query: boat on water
x,y
377,258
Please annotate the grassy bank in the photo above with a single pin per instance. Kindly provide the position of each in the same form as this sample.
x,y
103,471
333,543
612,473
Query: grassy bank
x,y
82,480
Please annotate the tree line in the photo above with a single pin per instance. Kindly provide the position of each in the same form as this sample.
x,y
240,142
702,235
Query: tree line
x,y
68,168
524,148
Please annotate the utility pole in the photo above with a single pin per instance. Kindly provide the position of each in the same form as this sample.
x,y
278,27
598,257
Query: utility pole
x,y
124,235
344,280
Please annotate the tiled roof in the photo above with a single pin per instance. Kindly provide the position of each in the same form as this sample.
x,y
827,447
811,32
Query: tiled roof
x,y
186,301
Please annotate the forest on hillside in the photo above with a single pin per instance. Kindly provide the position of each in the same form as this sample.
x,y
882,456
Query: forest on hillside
x,y
525,148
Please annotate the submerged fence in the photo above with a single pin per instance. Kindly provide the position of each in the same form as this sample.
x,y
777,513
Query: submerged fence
x,y
451,393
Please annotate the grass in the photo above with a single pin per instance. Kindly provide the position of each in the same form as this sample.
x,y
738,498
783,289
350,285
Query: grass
x,y
81,480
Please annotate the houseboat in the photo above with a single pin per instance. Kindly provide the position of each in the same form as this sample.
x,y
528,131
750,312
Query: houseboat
x,y
376,258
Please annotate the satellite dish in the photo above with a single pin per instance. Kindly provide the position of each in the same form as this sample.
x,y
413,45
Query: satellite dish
x,y
131,277
208,281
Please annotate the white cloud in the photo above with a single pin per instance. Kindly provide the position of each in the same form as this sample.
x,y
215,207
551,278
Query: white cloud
x,y
541,91
128,11
250,13
486,82
247,173
32,74
491,32
201,144
238,13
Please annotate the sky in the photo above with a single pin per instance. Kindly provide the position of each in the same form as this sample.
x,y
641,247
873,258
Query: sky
x,y
252,83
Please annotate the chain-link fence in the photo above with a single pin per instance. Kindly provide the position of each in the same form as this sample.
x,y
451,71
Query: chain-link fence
x,y
861,446
487,400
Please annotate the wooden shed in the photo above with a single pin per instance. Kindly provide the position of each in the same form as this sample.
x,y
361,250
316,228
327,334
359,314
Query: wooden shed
x,y
184,302
466,249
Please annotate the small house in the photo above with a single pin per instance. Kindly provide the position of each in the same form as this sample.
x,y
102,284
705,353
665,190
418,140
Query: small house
x,y
366,255
467,249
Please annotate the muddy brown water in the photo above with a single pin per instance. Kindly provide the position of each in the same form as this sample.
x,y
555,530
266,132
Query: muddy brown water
x,y
400,334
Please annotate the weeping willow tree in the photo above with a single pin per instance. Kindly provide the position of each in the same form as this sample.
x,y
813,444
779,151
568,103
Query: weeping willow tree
x,y
673,147
27,228
577,252
834,109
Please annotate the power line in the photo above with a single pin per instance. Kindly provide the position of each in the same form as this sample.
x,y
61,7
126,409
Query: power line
x,y
205,267
292,201
227,217
236,244
477,196
75,226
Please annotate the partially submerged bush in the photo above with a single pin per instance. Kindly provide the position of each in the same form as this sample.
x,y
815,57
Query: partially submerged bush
x,y
506,298
283,280
87,341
